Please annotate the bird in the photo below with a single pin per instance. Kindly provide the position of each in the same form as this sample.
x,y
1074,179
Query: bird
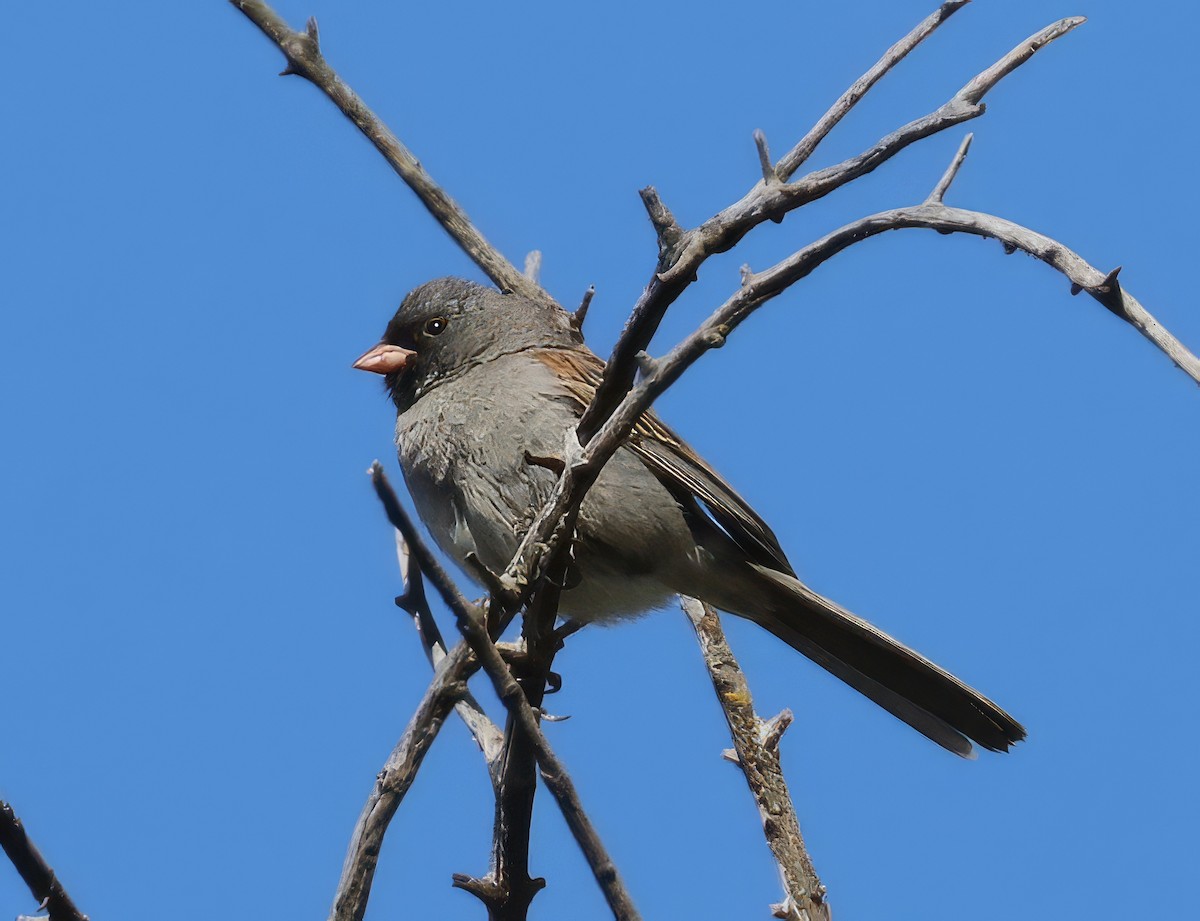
x,y
483,380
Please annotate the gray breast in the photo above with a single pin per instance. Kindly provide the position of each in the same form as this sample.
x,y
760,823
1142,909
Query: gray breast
x,y
462,447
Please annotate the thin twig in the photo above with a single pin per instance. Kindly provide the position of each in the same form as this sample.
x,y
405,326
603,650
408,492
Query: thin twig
x,y
764,157
34,869
303,53
393,782
756,742
943,186
554,774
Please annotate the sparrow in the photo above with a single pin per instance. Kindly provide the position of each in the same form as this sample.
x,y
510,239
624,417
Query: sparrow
x,y
482,381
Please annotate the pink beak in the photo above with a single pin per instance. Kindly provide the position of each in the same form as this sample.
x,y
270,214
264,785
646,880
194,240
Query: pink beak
x,y
384,359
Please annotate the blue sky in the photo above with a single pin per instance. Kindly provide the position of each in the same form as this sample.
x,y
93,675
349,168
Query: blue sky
x,y
204,667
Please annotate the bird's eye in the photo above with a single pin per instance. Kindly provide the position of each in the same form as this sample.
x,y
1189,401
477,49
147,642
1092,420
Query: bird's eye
x,y
435,327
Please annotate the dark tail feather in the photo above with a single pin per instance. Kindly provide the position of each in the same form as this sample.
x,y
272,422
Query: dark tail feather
x,y
904,683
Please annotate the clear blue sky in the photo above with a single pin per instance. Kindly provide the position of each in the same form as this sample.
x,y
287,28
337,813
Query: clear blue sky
x,y
204,669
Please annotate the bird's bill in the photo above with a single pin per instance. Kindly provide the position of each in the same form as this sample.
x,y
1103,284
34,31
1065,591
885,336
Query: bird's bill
x,y
384,359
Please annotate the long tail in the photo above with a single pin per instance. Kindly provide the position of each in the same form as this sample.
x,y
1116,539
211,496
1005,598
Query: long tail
x,y
900,680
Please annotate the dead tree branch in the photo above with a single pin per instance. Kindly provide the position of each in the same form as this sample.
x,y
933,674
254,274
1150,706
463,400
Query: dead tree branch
x,y
679,263
304,58
934,215
756,743
34,869
471,623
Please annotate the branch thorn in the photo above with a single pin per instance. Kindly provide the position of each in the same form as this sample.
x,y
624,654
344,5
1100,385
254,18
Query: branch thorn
x,y
774,728
581,311
764,158
731,756
310,29
746,274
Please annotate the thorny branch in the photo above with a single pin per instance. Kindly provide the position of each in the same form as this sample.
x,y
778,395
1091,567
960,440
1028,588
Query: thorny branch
x,y
33,869
756,750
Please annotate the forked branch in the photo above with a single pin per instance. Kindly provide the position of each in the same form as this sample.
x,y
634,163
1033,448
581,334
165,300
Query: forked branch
x,y
774,200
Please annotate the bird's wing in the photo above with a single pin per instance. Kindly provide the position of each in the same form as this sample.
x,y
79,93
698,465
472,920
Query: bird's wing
x,y
674,462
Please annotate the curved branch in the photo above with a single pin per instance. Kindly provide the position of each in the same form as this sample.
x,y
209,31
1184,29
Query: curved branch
x,y
933,215
303,53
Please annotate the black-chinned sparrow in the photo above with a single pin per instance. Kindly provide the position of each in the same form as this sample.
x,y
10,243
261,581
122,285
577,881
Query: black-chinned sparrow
x,y
481,380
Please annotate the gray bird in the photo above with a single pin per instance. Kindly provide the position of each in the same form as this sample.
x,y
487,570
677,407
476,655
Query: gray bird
x,y
481,380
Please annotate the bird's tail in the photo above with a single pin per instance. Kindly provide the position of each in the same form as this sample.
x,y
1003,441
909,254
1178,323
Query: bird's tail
x,y
900,680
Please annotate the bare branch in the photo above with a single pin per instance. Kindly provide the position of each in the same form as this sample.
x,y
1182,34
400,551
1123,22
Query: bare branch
x,y
772,201
394,781
554,773
756,743
34,870
303,53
